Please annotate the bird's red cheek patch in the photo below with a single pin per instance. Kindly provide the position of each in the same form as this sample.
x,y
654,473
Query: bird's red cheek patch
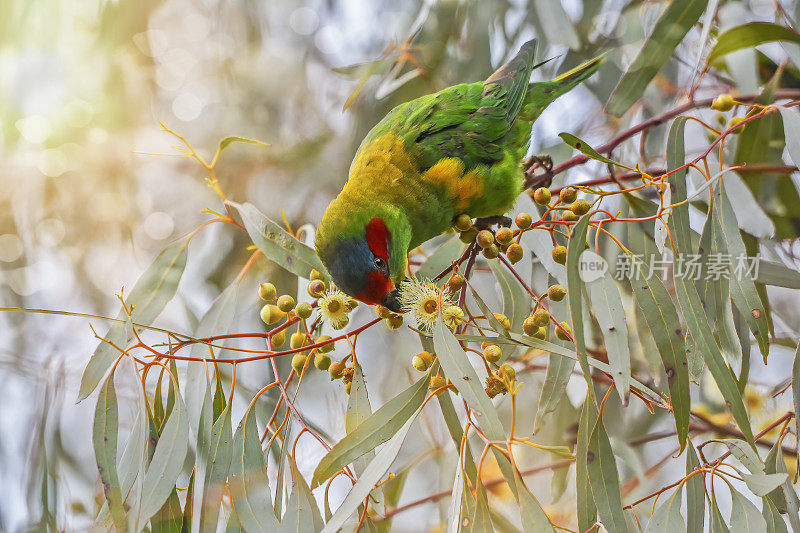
x,y
376,288
378,238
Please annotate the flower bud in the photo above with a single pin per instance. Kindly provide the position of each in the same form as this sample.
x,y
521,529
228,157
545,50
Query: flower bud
x,y
325,348
733,122
569,216
322,361
271,314
463,222
278,339
580,207
316,288
348,387
541,317
541,334
504,321
560,254
303,310
299,361
297,340
568,195
491,252
542,196
422,361
437,382
453,316
455,283
485,239
563,331
508,372
468,236
504,235
267,292
723,102
285,303
350,304
336,370
514,253
494,386
556,293
530,327
382,312
523,221
492,353
394,321
315,275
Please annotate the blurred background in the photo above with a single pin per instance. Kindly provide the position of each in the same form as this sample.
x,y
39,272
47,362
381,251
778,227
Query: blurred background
x,y
88,198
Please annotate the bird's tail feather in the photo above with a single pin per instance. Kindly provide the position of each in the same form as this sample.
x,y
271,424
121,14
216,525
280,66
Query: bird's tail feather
x,y
542,94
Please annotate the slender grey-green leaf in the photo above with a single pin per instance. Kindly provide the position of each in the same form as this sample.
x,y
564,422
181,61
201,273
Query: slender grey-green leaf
x,y
376,429
481,519
577,242
457,367
771,273
750,35
457,433
746,454
668,32
302,513
249,486
559,370
743,289
791,129
772,517
227,141
763,484
454,509
665,326
104,437
154,289
745,517
688,298
717,524
789,493
607,304
218,464
586,507
167,462
358,410
668,517
169,518
441,258
534,519
695,493
372,474
278,244
604,479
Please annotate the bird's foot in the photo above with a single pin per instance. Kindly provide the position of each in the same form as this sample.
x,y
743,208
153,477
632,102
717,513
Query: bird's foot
x,y
534,179
488,222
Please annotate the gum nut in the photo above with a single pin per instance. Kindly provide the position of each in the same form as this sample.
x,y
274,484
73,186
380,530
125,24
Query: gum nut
x,y
504,321
504,235
541,317
285,303
267,292
569,216
556,293
394,321
278,339
485,238
563,331
523,221
336,370
529,327
299,361
315,275
541,334
723,102
297,340
271,314
507,371
733,122
468,236
325,348
455,282
437,382
491,252
322,361
514,253
580,207
560,254
463,222
542,196
303,310
568,195
492,353
348,386
316,288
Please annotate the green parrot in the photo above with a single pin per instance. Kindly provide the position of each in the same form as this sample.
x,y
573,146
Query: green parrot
x,y
458,151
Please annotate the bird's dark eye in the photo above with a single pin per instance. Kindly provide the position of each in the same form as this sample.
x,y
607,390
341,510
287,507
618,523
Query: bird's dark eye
x,y
380,264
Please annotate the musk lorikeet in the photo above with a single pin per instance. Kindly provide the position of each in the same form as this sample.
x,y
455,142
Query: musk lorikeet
x,y
429,160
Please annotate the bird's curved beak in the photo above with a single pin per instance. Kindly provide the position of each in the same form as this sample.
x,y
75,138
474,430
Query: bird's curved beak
x,y
391,300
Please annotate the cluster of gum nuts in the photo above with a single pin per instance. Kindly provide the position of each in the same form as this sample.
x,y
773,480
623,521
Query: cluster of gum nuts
x,y
280,307
724,103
